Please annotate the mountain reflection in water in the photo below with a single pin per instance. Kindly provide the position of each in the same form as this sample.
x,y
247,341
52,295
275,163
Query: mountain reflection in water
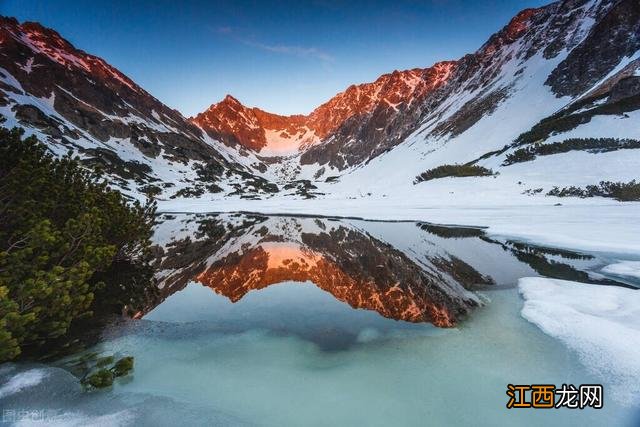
x,y
420,277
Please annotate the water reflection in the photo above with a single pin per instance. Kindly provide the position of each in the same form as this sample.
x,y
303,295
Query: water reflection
x,y
403,271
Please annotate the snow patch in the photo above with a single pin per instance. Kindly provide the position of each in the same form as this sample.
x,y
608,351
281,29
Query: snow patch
x,y
28,67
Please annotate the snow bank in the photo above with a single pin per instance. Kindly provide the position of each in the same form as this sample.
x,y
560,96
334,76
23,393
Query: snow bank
x,y
580,225
624,268
600,323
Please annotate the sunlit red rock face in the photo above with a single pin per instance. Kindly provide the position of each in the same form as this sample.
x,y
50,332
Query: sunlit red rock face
x,y
271,134
50,45
399,293
365,120
253,128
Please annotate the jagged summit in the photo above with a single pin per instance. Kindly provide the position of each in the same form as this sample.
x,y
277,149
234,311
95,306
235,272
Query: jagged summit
x,y
273,134
230,99
252,128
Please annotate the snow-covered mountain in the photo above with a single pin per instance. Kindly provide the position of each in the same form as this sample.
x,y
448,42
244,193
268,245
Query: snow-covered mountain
x,y
76,101
551,100
560,72
549,83
351,127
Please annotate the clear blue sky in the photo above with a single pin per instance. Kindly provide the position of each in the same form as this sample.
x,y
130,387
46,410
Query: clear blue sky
x,y
285,57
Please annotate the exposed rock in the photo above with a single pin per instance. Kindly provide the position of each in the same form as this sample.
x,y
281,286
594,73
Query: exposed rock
x,y
612,38
625,88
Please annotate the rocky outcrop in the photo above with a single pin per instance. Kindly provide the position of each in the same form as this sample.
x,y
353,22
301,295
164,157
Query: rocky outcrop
x,y
389,114
238,126
624,88
614,36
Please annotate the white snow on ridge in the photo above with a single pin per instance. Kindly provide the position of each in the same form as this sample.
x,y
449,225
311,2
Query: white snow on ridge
x,y
600,323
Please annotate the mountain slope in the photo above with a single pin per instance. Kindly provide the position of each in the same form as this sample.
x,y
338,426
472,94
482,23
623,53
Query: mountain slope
x,y
76,101
374,117
564,71
545,60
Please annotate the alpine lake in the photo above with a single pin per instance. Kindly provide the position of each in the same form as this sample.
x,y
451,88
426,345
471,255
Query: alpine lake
x,y
290,321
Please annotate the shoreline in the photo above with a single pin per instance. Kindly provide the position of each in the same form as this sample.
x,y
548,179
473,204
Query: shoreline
x,y
607,228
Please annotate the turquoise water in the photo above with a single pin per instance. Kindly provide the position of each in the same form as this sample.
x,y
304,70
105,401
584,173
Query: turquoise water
x,y
296,353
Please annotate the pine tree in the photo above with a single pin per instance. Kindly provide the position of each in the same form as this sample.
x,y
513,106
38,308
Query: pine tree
x,y
65,239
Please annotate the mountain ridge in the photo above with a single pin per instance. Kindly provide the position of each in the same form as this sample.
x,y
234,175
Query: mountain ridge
x,y
76,101
256,129
567,70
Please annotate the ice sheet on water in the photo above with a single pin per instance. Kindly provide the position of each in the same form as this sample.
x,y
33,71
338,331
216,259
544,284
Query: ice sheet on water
x,y
51,396
21,381
254,376
601,323
73,419
624,268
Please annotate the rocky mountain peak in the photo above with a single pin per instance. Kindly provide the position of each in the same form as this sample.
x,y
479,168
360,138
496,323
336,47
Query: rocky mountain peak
x,y
519,24
273,134
615,36
230,100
